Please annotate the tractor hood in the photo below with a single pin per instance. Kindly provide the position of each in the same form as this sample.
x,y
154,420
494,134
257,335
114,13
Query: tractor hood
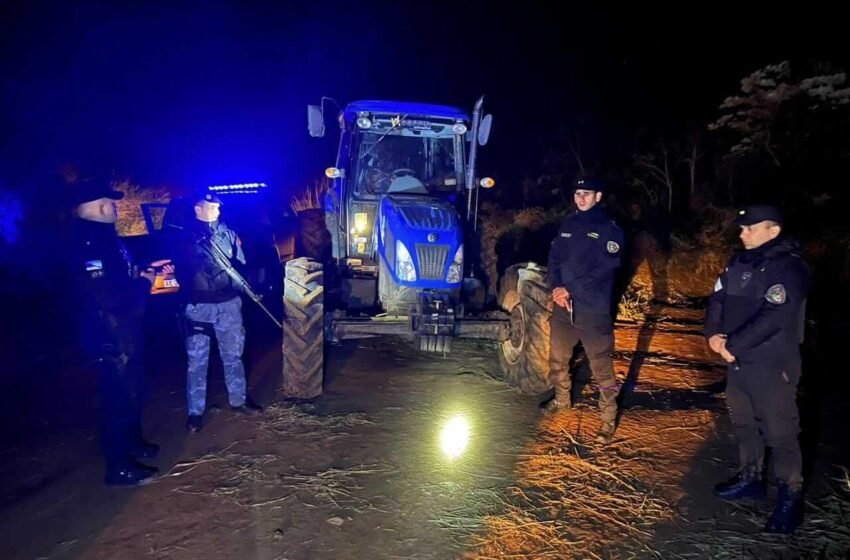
x,y
427,232
422,213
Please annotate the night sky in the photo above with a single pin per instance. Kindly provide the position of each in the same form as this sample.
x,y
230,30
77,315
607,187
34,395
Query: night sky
x,y
211,92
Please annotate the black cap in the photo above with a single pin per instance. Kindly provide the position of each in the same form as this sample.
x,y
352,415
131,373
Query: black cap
x,y
89,191
758,213
587,184
206,196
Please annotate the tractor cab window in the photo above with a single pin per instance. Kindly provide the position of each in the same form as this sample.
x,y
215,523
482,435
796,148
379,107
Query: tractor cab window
x,y
408,161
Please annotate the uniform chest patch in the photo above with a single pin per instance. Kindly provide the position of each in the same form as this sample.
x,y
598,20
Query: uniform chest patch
x,y
745,278
776,294
566,235
593,234
612,247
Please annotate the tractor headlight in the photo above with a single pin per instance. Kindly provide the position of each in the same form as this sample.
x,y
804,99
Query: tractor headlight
x,y
455,272
404,268
361,222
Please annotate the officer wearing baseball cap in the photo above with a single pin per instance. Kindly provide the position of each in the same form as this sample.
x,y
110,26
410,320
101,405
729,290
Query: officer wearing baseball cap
x,y
112,302
582,262
92,190
755,321
209,197
758,213
213,307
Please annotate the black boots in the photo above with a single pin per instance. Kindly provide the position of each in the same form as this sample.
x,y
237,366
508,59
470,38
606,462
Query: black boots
x,y
788,513
194,423
561,400
746,484
606,433
144,450
129,476
555,404
248,409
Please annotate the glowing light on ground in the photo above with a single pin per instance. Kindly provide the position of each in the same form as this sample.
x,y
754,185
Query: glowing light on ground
x,y
454,437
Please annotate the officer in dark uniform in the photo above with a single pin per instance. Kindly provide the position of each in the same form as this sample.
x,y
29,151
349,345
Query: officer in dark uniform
x,y
213,308
755,322
112,300
582,262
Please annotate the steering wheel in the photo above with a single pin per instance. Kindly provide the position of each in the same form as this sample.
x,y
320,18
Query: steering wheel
x,y
375,177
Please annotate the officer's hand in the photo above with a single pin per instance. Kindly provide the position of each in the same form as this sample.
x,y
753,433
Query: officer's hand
x,y
168,269
561,296
727,356
717,343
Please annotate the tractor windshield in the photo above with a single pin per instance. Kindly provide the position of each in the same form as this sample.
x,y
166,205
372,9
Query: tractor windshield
x,y
408,160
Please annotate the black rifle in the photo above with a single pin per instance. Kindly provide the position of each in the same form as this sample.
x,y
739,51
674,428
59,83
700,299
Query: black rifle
x,y
214,251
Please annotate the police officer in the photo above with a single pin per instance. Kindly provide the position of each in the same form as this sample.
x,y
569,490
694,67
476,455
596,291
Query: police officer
x,y
110,329
213,307
582,262
755,322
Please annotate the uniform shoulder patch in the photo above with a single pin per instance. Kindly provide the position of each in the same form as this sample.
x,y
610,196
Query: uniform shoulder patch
x,y
776,294
613,247
95,268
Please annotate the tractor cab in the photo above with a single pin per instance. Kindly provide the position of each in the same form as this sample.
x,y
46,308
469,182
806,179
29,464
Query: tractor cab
x,y
395,207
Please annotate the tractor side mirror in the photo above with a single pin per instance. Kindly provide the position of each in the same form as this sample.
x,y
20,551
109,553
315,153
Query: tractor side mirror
x,y
484,130
315,121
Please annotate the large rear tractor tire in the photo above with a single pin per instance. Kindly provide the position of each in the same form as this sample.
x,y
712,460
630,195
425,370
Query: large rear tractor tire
x,y
524,357
303,329
314,239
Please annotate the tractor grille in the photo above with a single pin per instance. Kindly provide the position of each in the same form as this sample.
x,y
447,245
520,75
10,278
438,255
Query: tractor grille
x,y
432,260
429,217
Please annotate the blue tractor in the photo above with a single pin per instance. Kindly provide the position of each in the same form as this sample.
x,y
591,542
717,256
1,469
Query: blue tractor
x,y
401,214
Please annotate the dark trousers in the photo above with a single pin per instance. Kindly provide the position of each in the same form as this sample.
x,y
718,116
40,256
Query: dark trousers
x,y
121,389
596,333
762,402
